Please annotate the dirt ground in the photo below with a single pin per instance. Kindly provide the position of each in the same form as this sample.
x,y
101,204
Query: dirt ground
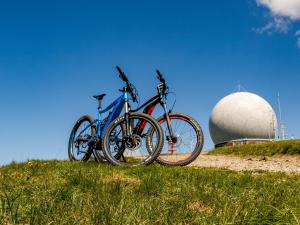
x,y
286,164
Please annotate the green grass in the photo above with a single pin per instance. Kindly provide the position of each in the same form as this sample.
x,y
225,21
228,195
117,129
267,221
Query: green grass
x,y
268,149
55,192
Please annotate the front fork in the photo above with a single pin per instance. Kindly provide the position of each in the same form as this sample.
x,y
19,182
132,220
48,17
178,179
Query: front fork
x,y
128,127
171,136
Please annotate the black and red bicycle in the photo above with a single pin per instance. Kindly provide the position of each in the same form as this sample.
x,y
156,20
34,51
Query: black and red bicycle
x,y
183,135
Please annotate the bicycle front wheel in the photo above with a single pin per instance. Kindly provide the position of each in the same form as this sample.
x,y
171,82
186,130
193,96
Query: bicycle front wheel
x,y
185,145
126,145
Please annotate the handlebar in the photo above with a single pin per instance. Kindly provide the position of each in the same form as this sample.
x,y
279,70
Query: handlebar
x,y
160,77
122,75
163,81
129,87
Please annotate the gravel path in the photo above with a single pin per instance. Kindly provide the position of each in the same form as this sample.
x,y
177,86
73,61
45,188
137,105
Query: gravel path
x,y
286,164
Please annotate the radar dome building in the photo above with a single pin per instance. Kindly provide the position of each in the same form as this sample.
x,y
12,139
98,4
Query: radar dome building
x,y
242,118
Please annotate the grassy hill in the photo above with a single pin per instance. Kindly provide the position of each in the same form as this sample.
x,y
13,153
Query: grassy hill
x,y
56,192
268,149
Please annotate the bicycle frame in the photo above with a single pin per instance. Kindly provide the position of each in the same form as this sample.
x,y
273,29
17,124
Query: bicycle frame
x,y
117,107
150,105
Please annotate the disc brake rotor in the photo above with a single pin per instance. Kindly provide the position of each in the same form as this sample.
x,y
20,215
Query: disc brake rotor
x,y
175,141
134,142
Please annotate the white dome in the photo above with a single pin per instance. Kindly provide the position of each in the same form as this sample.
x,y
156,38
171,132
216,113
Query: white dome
x,y
242,115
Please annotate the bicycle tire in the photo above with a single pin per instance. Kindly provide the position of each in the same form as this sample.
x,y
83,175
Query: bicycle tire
x,y
153,154
198,147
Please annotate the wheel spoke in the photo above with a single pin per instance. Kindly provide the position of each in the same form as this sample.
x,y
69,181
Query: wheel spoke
x,y
78,146
187,144
135,151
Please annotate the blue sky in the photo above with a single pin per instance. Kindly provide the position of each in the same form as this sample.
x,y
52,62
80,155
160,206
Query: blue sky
x,y
54,55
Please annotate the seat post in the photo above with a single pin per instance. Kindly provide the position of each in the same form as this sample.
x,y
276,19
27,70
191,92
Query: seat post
x,y
99,104
99,98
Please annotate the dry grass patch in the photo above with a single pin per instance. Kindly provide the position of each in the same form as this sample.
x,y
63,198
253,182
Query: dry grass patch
x,y
200,207
119,178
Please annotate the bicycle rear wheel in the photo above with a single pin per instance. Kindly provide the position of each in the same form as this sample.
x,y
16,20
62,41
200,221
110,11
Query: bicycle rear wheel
x,y
187,144
122,150
78,147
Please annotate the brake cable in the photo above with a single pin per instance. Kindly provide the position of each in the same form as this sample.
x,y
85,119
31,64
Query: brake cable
x,y
175,100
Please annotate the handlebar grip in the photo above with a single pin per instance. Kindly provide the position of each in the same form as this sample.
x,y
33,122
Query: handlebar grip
x,y
122,74
160,76
119,69
159,73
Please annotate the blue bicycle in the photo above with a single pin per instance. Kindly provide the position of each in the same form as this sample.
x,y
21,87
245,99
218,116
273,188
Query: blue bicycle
x,y
123,141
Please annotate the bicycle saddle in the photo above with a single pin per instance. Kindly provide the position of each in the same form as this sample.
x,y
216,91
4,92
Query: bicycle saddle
x,y
99,97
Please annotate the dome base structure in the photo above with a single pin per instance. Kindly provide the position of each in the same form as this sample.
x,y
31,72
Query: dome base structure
x,y
243,142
